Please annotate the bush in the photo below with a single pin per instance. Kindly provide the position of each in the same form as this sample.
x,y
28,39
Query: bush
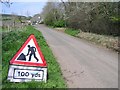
x,y
73,32
49,19
59,23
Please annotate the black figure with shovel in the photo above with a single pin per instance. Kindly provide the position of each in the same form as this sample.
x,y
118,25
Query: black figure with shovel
x,y
32,51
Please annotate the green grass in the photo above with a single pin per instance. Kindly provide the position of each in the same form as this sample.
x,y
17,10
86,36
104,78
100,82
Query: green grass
x,y
72,32
11,42
0,29
103,40
0,58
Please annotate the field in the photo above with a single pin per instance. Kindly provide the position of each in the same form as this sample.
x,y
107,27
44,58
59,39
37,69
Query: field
x,y
11,42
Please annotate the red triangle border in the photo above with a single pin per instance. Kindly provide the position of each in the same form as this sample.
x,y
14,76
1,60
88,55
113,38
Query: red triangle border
x,y
12,61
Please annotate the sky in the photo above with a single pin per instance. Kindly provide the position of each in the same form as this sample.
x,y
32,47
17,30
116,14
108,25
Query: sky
x,y
23,8
28,7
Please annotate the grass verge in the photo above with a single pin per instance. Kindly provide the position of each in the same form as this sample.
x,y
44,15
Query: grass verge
x,y
103,40
72,32
11,42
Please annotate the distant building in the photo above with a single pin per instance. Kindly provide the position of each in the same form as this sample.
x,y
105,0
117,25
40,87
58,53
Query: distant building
x,y
36,19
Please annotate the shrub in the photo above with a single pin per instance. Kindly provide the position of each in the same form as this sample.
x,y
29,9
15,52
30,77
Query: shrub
x,y
49,19
59,23
73,32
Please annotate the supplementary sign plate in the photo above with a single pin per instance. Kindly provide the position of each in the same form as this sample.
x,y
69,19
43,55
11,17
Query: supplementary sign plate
x,y
24,73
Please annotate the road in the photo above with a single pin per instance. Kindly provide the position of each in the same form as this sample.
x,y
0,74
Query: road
x,y
83,64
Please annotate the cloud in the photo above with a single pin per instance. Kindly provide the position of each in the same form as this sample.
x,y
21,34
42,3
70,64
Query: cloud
x,y
33,8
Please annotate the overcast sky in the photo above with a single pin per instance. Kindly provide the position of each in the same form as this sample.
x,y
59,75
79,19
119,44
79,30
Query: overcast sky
x,y
23,8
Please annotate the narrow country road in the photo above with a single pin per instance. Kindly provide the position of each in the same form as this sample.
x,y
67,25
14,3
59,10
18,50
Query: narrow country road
x,y
83,65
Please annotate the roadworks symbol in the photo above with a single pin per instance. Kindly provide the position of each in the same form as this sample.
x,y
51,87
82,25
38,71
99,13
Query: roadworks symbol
x,y
28,63
29,54
31,51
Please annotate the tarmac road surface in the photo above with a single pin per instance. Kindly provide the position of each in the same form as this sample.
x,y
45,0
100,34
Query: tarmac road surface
x,y
83,65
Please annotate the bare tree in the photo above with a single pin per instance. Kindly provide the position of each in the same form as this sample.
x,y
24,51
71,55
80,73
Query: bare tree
x,y
6,2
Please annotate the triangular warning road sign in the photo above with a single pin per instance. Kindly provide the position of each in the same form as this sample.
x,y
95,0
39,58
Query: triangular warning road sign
x,y
29,54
